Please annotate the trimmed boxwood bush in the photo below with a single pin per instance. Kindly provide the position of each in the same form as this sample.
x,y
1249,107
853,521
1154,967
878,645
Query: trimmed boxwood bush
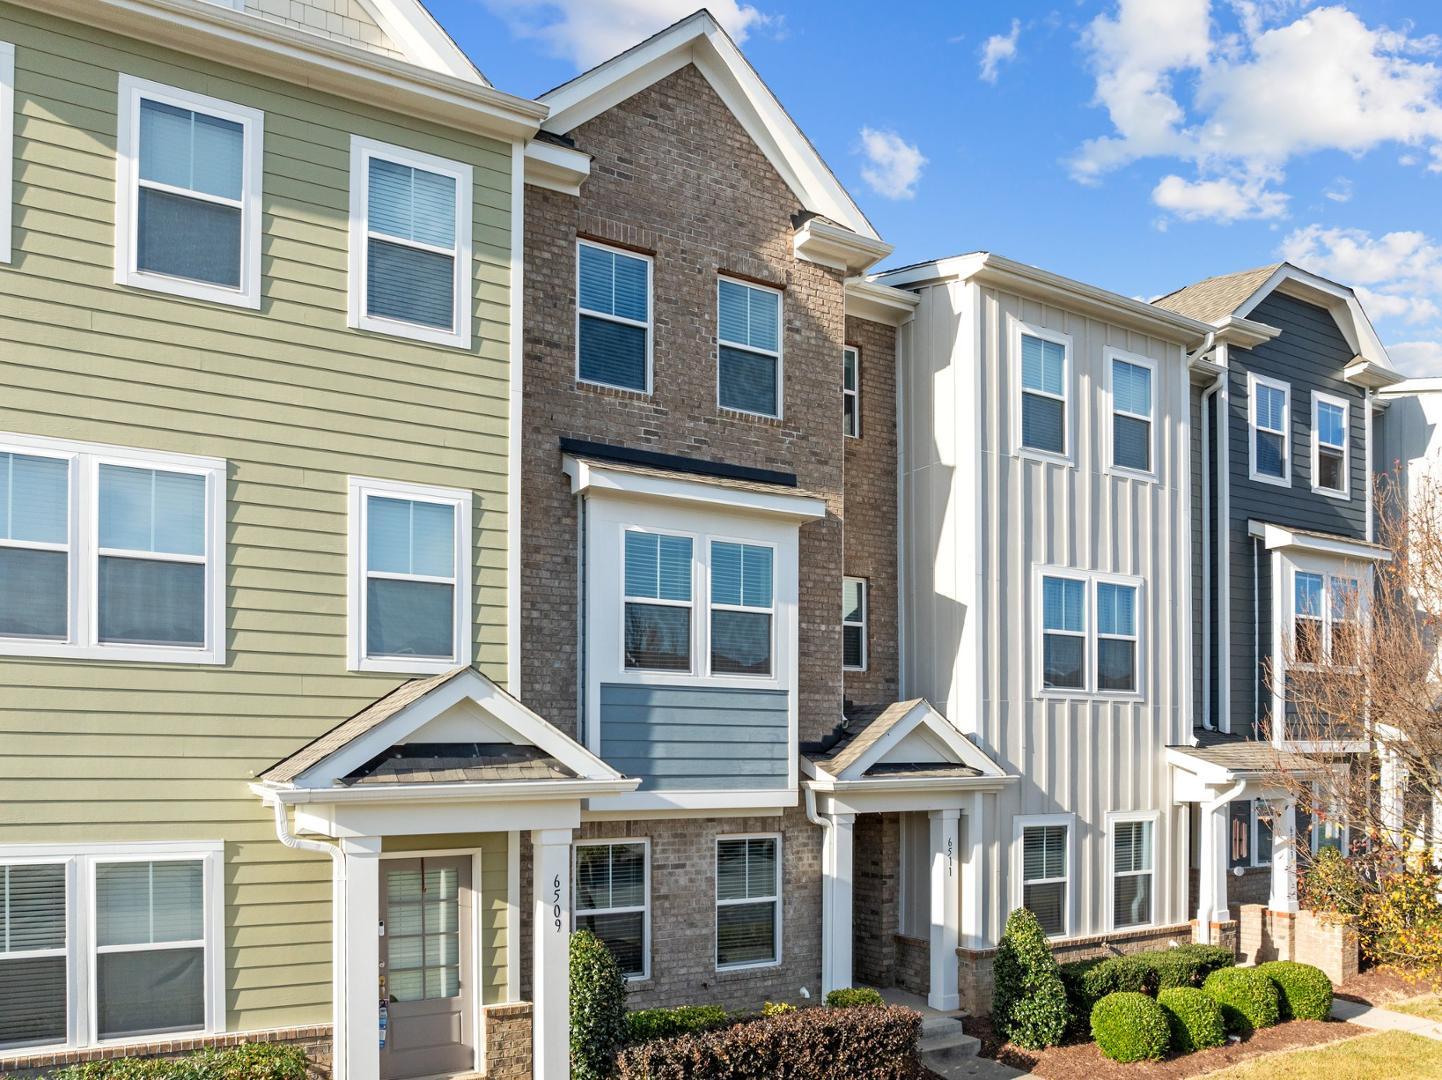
x,y
1129,1026
598,1008
248,1061
808,1044
1189,965
1249,999
644,1024
1195,1020
852,996
1029,1004
1088,981
1079,996
1305,992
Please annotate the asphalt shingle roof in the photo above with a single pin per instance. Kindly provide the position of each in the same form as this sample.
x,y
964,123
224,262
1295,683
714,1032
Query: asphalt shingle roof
x,y
1217,297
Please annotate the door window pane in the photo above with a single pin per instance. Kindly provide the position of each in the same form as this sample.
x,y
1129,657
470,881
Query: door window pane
x,y
423,932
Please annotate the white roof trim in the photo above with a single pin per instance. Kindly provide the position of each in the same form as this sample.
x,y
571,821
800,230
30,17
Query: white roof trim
x,y
879,303
594,477
922,715
1275,537
1341,301
840,249
699,40
417,34
558,168
469,684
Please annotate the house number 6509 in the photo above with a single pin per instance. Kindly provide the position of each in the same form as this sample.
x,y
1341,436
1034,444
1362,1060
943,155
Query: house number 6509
x,y
556,902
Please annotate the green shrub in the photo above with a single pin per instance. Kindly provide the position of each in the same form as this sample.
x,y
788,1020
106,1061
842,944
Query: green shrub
x,y
1304,991
598,1008
1029,1004
807,1044
1195,1020
1249,999
248,1061
777,1008
1332,884
853,996
1129,1026
644,1024
1088,981
1079,995
1189,965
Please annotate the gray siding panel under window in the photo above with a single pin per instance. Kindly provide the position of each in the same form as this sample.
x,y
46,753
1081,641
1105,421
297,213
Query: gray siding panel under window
x,y
687,738
1310,354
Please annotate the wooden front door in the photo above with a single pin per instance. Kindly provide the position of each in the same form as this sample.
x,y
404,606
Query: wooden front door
x,y
427,914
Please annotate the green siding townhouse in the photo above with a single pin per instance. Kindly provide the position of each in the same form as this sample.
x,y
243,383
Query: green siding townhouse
x,y
258,283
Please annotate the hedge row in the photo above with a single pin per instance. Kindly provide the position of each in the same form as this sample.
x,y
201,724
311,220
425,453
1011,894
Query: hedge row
x,y
249,1061
1088,981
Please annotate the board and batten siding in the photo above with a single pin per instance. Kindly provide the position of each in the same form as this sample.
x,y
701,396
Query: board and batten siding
x,y
1309,354
980,518
295,402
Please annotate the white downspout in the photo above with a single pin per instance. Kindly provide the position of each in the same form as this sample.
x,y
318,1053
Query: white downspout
x,y
338,965
827,899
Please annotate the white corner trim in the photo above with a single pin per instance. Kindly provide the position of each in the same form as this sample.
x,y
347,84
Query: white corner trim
x,y
515,430
131,92
7,147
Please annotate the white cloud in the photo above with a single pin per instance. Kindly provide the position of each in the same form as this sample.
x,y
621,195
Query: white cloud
x,y
1247,103
997,50
893,165
590,31
1417,359
1339,190
1218,200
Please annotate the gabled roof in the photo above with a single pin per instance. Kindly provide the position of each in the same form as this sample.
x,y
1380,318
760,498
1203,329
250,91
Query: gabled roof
x,y
698,39
423,41
1214,298
898,741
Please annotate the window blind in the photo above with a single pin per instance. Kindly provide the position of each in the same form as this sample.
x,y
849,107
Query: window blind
x,y
32,955
34,537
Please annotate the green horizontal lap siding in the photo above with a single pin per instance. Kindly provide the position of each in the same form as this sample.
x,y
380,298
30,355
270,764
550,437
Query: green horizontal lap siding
x,y
295,402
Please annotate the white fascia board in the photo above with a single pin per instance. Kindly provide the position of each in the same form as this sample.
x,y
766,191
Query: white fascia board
x,y
204,29
591,477
839,249
410,26
1281,538
1365,373
476,791
921,715
1245,333
641,803
557,168
879,303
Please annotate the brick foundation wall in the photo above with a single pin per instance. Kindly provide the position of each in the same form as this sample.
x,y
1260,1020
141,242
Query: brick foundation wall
x,y
1306,937
913,964
875,888
508,1042
314,1040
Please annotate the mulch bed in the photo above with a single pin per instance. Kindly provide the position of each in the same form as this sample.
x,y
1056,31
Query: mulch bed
x,y
1379,986
1083,1061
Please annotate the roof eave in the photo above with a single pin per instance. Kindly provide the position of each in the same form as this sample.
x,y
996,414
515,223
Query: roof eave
x,y
879,303
462,791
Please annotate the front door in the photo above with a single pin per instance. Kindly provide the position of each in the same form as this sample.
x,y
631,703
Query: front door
x,y
426,973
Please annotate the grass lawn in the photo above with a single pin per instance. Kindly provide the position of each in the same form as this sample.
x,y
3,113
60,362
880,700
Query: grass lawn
x,y
1368,1057
1429,1008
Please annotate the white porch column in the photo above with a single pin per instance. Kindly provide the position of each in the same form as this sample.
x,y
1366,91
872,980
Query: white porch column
x,y
1212,901
551,1010
1283,896
973,880
362,958
1392,779
945,910
838,867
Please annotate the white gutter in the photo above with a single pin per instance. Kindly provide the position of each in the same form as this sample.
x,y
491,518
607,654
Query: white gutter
x,y
491,791
828,900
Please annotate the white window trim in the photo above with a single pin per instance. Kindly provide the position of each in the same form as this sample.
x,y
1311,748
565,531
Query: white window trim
x,y
361,151
699,637
1120,817
1019,330
1253,381
1344,493
7,148
1090,634
1109,358
648,325
80,861
770,611
645,909
778,355
127,181
360,489
854,394
718,903
865,613
1019,826
84,527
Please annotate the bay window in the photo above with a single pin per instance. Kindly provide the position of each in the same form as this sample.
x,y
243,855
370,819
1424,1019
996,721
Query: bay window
x,y
658,576
749,348
741,608
1326,619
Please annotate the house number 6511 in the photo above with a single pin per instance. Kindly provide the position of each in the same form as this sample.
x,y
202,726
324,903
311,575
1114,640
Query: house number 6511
x,y
949,854
556,902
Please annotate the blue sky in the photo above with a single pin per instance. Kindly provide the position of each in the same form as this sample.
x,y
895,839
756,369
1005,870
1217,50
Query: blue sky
x,y
1136,144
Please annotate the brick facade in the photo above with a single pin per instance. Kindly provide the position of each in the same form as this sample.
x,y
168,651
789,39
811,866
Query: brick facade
x,y
508,1042
875,888
1307,937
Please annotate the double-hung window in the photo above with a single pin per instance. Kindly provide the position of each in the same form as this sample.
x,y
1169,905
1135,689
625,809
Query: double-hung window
x,y
188,172
742,596
33,968
853,623
851,391
749,349
1307,618
1330,460
1090,626
1132,871
1045,858
1116,636
658,609
7,144
613,333
410,244
142,579
748,901
1326,618
1064,636
1044,363
1271,411
410,577
1132,442
613,900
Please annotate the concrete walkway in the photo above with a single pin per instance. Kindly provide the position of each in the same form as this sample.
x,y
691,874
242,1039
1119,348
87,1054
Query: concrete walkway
x,y
1379,1019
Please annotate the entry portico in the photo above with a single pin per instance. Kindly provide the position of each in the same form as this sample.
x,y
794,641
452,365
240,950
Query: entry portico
x,y
904,757
421,799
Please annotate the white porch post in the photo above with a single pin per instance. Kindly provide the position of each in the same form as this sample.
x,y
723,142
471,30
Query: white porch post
x,y
838,869
1284,857
362,957
1392,779
1212,902
973,881
551,1011
945,911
